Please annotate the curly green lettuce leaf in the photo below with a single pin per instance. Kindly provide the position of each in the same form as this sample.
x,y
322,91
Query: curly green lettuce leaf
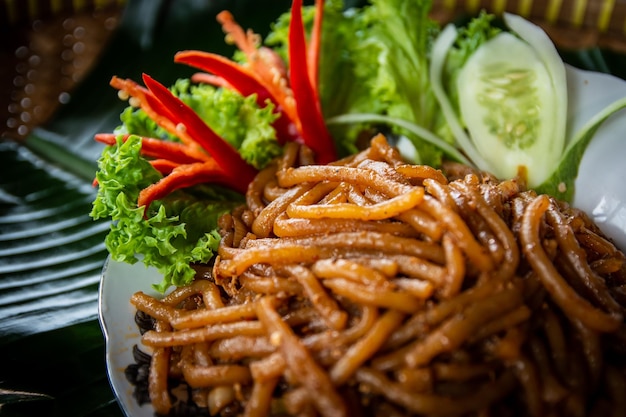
x,y
386,49
348,56
135,121
402,32
178,231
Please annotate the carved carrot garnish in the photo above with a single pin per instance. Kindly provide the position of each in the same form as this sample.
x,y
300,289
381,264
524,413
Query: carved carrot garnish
x,y
202,156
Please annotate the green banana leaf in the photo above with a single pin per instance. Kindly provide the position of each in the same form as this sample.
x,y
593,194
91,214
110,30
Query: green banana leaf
x,y
51,252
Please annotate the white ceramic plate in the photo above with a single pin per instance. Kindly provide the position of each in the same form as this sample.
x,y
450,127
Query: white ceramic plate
x,y
601,182
117,318
601,192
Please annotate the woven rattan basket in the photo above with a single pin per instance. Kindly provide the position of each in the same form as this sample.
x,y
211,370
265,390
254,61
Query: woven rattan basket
x,y
49,45
46,49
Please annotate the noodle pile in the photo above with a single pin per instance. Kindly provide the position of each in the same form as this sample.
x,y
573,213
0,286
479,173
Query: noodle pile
x,y
371,287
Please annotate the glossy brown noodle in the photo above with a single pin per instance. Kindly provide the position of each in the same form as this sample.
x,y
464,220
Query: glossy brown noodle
x,y
377,288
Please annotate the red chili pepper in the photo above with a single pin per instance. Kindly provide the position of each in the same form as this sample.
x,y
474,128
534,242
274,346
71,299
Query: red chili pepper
x,y
314,131
222,152
224,72
186,176
162,118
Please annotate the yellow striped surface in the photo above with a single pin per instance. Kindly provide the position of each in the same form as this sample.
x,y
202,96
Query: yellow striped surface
x,y
34,8
604,18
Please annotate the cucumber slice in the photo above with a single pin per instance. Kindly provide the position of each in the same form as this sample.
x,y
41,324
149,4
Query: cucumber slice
x,y
509,103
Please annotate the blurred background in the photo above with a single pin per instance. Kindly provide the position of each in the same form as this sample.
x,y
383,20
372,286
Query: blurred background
x,y
49,46
47,49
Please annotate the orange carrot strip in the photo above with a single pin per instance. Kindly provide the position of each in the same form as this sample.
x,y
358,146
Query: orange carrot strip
x,y
141,95
164,166
263,63
211,79
314,46
157,148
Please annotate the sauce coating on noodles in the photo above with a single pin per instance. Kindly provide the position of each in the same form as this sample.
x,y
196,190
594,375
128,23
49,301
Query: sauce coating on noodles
x,y
378,288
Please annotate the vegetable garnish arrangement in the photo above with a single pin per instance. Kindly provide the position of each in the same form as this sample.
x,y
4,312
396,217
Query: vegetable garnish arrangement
x,y
480,95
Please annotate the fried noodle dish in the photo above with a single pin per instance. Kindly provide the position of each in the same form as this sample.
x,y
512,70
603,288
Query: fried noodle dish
x,y
373,287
